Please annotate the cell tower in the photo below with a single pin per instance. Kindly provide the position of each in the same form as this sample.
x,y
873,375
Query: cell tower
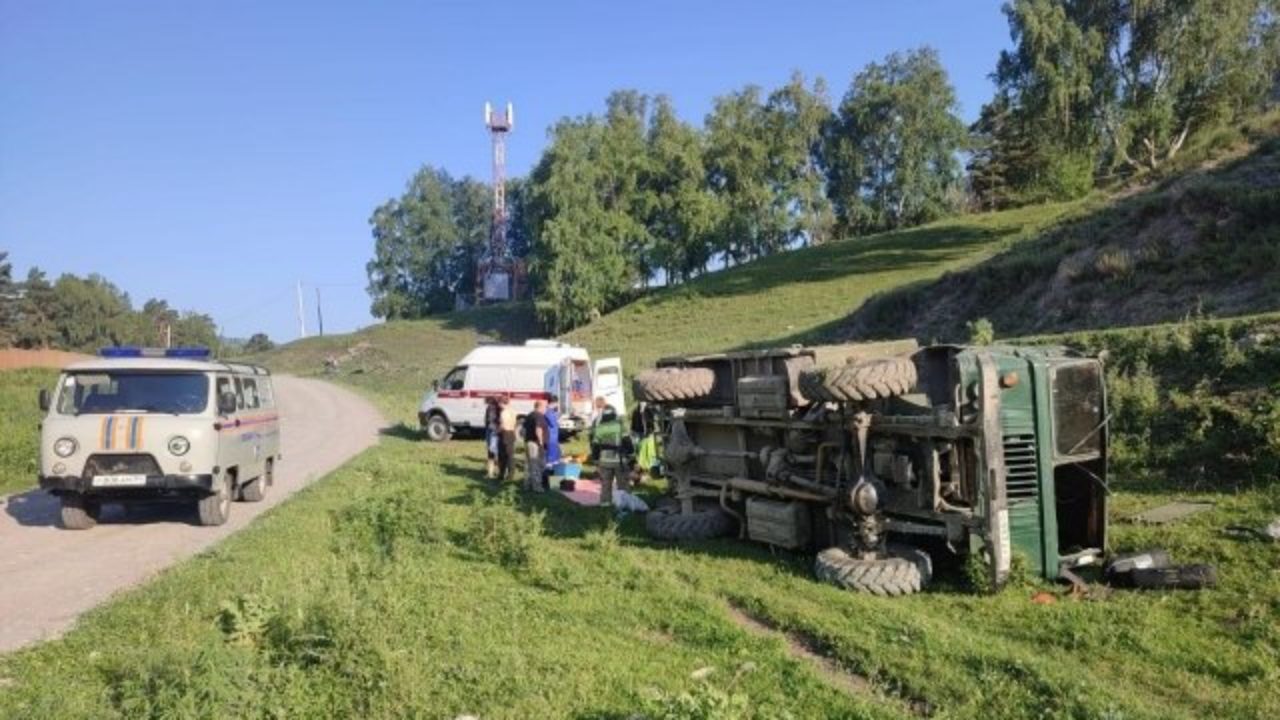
x,y
495,274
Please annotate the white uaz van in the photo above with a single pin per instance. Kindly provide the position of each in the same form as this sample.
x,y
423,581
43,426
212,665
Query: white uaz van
x,y
142,424
539,369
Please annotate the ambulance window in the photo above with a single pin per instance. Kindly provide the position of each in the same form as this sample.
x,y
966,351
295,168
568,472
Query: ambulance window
x,y
1077,409
455,380
250,388
239,395
607,380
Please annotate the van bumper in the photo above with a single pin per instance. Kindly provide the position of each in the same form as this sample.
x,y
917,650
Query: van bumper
x,y
155,485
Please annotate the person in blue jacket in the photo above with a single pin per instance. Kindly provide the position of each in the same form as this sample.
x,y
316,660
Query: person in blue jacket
x,y
553,432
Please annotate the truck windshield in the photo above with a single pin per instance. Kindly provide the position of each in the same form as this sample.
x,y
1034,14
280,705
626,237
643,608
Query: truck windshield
x,y
120,392
1077,409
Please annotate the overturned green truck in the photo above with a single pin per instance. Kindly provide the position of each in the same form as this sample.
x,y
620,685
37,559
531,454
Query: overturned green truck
x,y
880,456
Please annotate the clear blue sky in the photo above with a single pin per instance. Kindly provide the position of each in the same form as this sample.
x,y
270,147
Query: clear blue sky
x,y
213,153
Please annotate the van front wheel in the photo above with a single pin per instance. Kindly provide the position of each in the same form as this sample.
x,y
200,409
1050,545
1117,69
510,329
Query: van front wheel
x,y
79,512
215,508
438,429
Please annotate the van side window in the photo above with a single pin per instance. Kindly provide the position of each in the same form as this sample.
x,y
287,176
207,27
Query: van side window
x,y
250,388
265,397
223,386
455,380
239,395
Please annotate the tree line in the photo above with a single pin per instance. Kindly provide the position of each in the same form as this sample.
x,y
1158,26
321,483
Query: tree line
x,y
1090,90
87,313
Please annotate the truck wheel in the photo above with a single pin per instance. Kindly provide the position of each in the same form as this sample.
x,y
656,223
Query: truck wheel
x,y
668,523
80,512
900,571
674,384
256,489
215,508
869,379
438,429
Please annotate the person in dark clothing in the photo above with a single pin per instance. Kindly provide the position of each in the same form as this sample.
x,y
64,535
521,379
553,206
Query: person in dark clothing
x,y
535,443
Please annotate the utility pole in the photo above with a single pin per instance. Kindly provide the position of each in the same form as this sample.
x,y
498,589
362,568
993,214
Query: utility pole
x,y
302,318
494,272
319,313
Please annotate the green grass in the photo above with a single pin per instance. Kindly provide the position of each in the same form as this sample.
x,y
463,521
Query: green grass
x,y
19,422
401,587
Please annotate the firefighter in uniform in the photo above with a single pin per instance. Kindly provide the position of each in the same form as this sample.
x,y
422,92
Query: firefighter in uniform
x,y
609,441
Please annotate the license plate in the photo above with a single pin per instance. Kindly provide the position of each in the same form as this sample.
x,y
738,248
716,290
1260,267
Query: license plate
x,y
119,480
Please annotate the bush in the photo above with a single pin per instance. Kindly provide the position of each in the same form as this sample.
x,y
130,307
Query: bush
x,y
501,533
388,522
981,332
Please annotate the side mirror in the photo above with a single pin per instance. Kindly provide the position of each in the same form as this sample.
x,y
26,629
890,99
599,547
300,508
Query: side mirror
x,y
435,385
226,403
46,400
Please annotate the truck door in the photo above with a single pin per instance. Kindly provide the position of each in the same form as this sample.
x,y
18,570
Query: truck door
x,y
608,383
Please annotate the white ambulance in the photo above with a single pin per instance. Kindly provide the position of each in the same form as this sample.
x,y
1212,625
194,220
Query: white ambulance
x,y
142,424
539,369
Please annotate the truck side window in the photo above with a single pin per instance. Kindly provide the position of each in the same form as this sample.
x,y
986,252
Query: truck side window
x,y
1077,409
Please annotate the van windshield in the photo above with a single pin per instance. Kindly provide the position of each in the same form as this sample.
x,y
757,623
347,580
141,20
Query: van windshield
x,y
123,392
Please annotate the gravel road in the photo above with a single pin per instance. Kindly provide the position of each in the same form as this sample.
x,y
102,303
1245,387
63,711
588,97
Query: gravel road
x,y
48,576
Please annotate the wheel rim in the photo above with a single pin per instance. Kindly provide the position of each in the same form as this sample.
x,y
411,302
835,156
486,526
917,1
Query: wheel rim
x,y
435,429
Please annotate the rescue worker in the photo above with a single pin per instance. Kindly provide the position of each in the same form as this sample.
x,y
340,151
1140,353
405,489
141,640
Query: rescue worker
x,y
535,442
609,449
506,440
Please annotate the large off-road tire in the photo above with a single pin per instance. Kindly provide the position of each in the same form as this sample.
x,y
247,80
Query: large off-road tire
x,y
255,490
668,523
869,379
80,512
674,384
214,508
900,571
437,428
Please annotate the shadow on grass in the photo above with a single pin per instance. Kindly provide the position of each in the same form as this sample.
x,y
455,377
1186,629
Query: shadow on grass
x,y
402,431
507,322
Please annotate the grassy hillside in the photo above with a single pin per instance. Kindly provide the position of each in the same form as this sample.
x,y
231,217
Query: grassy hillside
x,y
19,426
1206,242
402,586
800,296
395,362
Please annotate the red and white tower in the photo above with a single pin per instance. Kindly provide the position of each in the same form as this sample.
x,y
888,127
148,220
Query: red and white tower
x,y
495,274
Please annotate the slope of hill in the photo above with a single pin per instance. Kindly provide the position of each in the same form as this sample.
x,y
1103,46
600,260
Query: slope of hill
x,y
394,362
1203,243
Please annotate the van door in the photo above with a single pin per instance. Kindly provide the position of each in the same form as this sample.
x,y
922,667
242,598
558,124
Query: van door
x,y
452,396
608,384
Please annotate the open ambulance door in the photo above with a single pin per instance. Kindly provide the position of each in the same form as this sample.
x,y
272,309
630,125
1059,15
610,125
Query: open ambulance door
x,y
608,384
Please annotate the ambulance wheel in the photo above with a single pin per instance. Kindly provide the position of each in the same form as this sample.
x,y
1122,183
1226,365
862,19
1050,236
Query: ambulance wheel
x,y
80,512
256,489
214,508
437,428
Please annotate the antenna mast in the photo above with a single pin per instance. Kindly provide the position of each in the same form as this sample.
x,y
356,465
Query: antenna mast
x,y
494,276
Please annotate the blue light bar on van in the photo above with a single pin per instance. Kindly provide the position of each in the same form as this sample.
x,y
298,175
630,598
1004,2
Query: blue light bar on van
x,y
190,353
